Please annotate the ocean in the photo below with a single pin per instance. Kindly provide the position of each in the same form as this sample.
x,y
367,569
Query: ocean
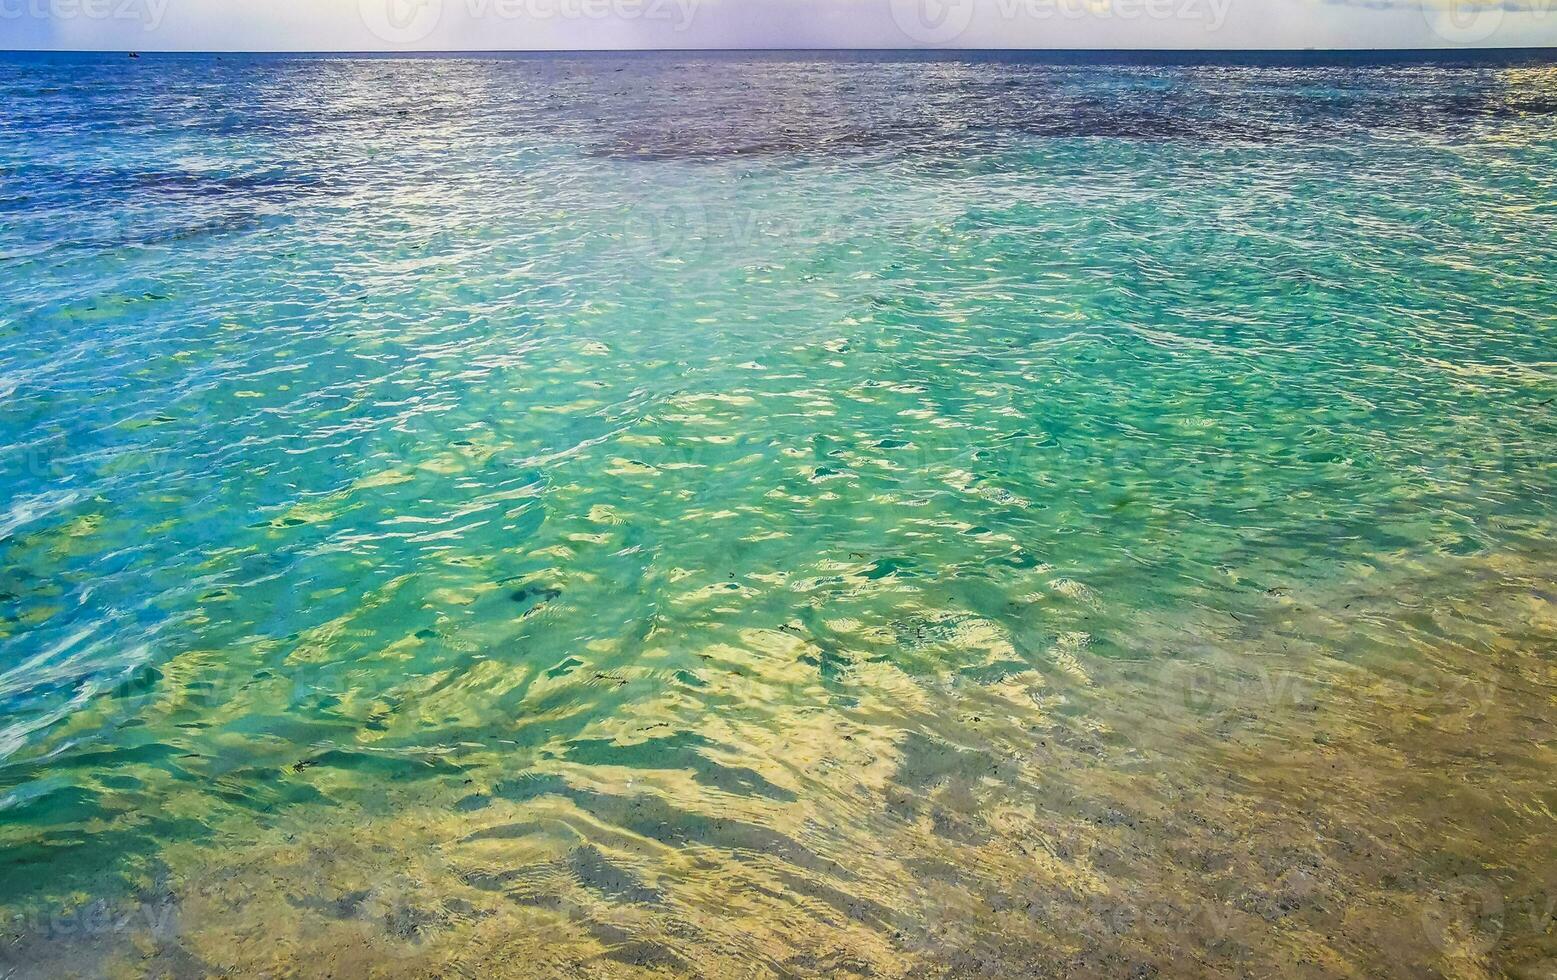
x,y
788,514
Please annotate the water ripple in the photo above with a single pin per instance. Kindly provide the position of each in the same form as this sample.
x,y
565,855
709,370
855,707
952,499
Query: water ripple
x,y
803,516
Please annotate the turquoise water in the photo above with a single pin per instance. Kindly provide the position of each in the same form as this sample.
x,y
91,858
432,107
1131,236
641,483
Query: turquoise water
x,y
776,516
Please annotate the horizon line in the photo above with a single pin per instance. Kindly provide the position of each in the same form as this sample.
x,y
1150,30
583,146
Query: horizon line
x,y
1461,50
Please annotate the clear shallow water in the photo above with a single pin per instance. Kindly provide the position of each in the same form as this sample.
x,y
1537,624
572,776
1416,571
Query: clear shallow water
x,y
663,516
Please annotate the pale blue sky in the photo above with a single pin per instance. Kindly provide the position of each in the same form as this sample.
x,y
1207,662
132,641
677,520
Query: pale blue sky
x,y
552,24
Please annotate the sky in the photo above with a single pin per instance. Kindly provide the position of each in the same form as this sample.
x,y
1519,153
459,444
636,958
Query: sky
x,y
449,25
